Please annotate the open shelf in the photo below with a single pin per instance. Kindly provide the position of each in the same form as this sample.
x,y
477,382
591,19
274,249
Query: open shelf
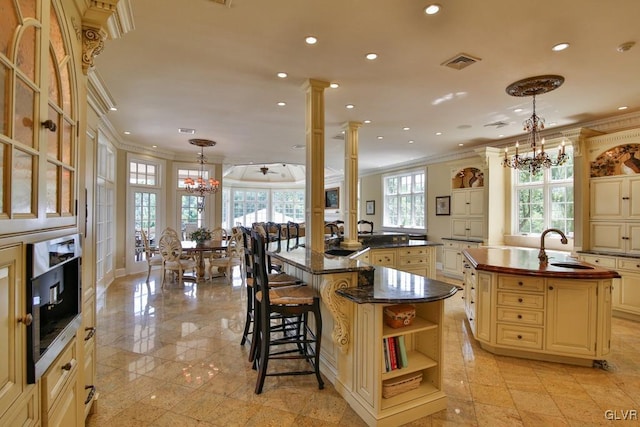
x,y
419,324
425,389
417,362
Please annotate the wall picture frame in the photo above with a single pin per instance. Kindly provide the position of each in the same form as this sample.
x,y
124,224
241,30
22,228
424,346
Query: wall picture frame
x,y
332,198
443,205
370,208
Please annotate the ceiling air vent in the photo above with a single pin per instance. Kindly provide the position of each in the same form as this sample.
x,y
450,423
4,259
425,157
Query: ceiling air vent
x,y
339,136
460,61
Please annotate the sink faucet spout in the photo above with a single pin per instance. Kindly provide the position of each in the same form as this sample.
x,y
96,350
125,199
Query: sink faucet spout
x,y
542,255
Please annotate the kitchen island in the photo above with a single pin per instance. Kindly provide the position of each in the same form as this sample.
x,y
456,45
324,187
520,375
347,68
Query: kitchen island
x,y
353,296
559,311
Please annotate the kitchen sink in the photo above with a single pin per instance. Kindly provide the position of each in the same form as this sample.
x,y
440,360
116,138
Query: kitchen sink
x,y
339,252
572,265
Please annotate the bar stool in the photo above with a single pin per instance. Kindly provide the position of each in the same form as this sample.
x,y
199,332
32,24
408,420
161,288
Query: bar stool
x,y
275,280
293,304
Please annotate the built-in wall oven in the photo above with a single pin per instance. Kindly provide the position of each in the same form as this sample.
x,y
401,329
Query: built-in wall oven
x,y
54,293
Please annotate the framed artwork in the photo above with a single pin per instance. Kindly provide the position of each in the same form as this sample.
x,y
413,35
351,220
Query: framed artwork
x,y
443,205
371,207
332,198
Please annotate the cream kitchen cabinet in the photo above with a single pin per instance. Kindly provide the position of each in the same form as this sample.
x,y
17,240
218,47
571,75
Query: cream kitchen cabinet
x,y
467,228
619,237
452,259
626,290
416,259
61,391
615,198
467,202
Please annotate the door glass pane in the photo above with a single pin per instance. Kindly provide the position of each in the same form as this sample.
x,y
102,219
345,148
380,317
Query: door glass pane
x,y
65,88
52,188
67,135
26,55
28,8
145,218
3,149
57,41
24,114
67,192
52,137
4,100
8,24
21,190
54,93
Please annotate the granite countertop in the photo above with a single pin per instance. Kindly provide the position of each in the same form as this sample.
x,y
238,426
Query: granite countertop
x,y
524,262
392,286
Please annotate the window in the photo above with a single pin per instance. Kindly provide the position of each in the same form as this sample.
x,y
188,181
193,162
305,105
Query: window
x,y
545,199
143,173
287,205
249,206
404,197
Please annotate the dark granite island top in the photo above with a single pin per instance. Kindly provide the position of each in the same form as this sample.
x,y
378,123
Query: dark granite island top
x,y
392,286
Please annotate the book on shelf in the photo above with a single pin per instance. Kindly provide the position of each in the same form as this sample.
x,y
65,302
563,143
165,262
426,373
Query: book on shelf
x,y
403,352
392,353
385,348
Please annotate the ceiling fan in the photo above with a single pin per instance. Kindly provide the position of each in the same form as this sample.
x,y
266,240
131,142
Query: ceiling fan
x,y
265,170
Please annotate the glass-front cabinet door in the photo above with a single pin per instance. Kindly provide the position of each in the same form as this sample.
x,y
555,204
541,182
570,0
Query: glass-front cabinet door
x,y
38,117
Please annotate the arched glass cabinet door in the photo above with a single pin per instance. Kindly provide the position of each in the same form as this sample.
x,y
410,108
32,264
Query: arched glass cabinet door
x,y
38,117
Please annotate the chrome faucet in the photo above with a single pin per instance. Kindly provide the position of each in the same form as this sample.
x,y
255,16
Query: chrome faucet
x,y
542,255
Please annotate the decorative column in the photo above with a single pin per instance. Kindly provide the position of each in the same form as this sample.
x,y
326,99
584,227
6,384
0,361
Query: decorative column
x,y
314,186
351,185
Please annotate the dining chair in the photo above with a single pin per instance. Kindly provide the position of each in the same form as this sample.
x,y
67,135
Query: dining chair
x,y
232,257
262,229
365,226
331,229
293,235
292,304
275,280
153,258
170,248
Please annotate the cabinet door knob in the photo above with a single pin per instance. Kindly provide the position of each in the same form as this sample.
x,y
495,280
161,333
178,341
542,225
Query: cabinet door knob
x,y
597,260
519,337
519,299
67,366
520,283
26,319
519,316
550,288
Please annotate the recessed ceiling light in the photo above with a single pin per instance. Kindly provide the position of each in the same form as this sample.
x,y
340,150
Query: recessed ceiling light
x,y
113,109
298,147
349,106
334,85
432,9
624,107
380,137
282,75
281,104
154,146
371,56
438,133
311,40
553,124
560,46
406,128
501,135
366,122
517,110
411,141
461,145
186,131
126,132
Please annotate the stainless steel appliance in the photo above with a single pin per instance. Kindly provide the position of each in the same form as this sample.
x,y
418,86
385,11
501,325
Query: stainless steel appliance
x,y
54,294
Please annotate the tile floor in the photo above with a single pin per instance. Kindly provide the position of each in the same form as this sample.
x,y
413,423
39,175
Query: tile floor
x,y
172,358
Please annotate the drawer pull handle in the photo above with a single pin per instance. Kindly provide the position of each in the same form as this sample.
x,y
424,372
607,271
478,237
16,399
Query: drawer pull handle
x,y
463,297
470,319
26,319
520,283
67,366
92,332
519,299
472,288
519,316
519,337
91,393
550,288
625,198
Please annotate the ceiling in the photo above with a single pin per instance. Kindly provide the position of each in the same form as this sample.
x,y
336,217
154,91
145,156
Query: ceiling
x,y
211,67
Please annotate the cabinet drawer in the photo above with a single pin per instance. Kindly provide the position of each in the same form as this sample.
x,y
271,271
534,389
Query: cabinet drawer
x,y
417,251
451,245
519,336
513,299
629,264
599,260
412,261
57,376
521,283
527,317
386,258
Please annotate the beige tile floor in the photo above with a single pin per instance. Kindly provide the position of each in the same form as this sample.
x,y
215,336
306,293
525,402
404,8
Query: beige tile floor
x,y
172,358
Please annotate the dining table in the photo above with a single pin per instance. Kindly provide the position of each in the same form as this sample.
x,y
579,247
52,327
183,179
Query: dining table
x,y
199,250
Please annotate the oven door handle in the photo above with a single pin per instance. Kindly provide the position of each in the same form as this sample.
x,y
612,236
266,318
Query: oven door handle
x,y
92,332
91,393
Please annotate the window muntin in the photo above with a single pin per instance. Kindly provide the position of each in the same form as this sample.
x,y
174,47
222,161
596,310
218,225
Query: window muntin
x,y
191,173
545,199
404,197
142,173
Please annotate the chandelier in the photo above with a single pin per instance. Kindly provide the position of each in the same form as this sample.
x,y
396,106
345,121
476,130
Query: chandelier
x,y
537,159
200,187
